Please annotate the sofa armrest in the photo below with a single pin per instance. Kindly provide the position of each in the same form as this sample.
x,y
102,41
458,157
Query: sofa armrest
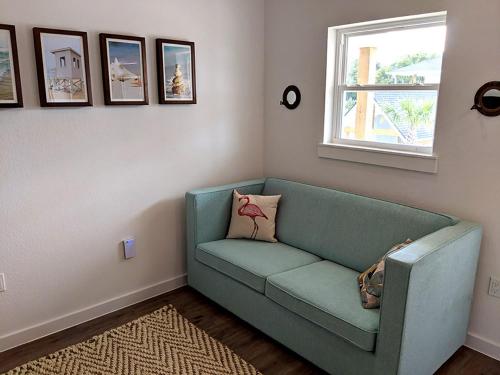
x,y
208,212
427,298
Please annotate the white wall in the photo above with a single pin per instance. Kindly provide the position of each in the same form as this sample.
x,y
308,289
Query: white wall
x,y
75,182
468,181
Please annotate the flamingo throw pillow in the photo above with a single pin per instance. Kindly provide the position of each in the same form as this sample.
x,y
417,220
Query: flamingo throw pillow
x,y
253,217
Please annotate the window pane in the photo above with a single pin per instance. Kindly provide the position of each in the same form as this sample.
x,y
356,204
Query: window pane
x,y
395,117
396,57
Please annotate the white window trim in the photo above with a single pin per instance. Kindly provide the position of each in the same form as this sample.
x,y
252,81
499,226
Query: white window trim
x,y
333,146
377,156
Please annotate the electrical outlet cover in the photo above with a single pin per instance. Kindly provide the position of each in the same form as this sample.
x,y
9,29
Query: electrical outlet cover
x,y
129,248
494,287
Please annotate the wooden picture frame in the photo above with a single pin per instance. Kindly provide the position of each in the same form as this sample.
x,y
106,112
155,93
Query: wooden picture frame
x,y
63,68
176,65
11,95
124,69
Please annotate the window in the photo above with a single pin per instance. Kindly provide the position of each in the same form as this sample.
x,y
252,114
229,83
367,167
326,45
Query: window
x,y
62,61
383,82
74,62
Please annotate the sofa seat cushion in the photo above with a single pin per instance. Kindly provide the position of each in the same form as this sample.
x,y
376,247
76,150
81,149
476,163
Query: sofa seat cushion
x,y
327,294
251,262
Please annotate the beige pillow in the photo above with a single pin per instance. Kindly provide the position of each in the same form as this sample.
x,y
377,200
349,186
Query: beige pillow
x,y
371,282
254,217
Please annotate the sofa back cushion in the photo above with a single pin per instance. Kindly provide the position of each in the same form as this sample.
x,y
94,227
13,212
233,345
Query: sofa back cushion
x,y
348,229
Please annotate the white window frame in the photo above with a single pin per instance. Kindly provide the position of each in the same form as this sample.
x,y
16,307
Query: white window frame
x,y
337,72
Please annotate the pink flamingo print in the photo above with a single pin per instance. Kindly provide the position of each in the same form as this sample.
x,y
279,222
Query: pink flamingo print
x,y
252,211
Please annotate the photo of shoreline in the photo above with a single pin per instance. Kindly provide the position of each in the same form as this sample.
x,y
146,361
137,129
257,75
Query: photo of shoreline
x,y
7,84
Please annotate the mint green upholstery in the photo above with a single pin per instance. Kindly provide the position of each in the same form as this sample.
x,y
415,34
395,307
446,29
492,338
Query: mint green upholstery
x,y
214,210
251,262
427,299
327,294
328,351
345,228
422,321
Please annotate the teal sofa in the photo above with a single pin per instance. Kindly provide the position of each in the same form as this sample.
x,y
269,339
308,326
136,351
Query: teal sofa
x,y
302,291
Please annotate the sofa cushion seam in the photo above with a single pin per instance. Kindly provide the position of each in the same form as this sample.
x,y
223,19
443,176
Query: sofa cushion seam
x,y
251,272
229,263
319,308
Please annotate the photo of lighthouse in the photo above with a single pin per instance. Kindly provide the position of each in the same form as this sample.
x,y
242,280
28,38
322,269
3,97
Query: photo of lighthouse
x,y
62,67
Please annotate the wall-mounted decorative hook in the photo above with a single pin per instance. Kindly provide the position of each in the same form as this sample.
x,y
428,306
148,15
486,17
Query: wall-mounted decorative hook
x,y
487,99
291,97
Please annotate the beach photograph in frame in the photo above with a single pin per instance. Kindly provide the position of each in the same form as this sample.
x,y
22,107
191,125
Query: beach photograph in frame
x,y
10,83
176,71
124,74
62,67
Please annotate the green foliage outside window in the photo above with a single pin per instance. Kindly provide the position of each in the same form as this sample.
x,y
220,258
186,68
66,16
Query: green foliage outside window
x,y
383,76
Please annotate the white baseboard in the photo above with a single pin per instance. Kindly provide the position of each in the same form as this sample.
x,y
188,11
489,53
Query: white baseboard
x,y
483,345
23,336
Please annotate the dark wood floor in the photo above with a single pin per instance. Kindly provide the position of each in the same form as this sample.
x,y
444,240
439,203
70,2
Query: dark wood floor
x,y
265,354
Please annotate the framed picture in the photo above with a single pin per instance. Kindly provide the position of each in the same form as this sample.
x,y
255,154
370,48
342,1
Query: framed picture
x,y
123,60
10,83
62,63
176,71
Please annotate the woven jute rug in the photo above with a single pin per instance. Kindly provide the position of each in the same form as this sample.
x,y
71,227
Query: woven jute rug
x,y
163,342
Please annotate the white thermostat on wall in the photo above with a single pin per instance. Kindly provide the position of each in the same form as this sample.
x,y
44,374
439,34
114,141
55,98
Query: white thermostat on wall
x,y
129,248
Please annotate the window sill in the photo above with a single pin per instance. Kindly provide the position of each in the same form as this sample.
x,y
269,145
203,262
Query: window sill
x,y
386,158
